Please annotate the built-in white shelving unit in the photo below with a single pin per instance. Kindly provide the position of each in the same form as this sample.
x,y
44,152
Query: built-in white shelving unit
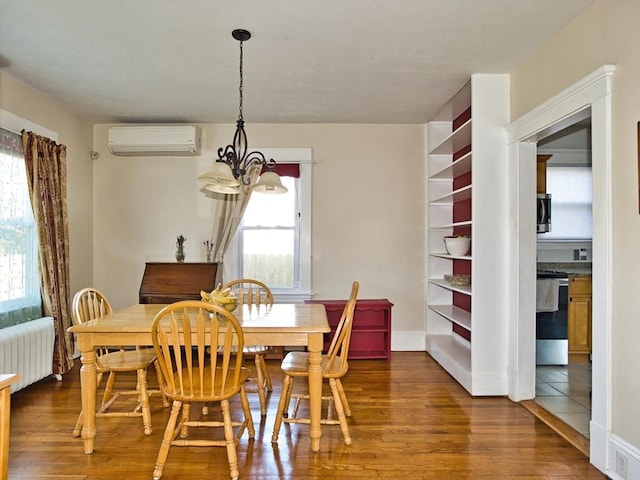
x,y
467,192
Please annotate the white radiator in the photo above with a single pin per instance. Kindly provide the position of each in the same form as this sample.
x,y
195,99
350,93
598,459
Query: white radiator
x,y
27,349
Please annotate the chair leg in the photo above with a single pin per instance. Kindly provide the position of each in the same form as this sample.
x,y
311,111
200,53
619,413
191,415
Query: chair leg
x,y
78,428
166,440
287,403
343,398
260,381
283,406
340,411
165,402
232,454
267,377
244,400
186,413
108,389
144,400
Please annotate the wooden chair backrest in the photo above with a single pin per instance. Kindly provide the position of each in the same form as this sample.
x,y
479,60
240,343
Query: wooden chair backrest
x,y
250,291
341,340
88,304
193,342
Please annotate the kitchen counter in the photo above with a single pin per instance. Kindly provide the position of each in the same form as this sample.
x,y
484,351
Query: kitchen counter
x,y
573,269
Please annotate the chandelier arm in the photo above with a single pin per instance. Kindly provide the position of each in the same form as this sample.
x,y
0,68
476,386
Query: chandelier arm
x,y
252,158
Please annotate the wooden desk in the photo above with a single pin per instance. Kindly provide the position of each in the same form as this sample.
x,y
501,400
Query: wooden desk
x,y
282,324
5,408
172,282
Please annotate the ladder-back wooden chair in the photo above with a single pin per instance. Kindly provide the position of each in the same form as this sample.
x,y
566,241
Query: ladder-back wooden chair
x,y
89,304
334,367
256,293
201,367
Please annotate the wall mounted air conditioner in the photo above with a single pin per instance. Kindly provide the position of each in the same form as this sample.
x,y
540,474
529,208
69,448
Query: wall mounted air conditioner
x,y
155,140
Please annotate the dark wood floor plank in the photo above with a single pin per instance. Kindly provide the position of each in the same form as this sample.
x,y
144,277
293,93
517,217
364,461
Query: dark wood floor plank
x,y
410,420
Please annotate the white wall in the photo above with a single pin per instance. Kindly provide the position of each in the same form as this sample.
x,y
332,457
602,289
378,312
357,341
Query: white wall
x,y
367,212
606,33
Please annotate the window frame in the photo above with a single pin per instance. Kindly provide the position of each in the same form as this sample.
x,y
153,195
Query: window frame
x,y
303,157
553,236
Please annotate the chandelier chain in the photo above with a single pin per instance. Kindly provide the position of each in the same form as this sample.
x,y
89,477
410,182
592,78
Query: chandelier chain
x,y
241,81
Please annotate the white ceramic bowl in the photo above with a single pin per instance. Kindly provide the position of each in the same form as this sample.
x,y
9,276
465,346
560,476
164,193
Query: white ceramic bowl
x,y
457,245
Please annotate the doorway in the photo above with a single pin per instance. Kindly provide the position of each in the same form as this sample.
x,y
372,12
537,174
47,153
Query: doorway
x,y
564,251
591,96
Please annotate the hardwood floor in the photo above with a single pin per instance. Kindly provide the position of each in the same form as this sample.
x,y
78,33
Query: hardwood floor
x,y
410,420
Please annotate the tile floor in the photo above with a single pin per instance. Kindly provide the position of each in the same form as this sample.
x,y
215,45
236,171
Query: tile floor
x,y
565,392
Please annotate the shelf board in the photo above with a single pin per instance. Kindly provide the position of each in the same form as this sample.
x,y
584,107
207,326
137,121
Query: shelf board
x,y
453,314
463,193
465,289
454,169
451,257
453,355
454,142
448,226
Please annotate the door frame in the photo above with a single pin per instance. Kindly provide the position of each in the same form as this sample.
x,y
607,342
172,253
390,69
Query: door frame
x,y
590,96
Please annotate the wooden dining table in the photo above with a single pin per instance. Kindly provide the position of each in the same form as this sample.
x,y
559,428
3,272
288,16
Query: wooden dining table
x,y
281,324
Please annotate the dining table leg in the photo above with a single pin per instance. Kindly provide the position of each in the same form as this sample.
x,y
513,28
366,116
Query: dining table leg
x,y
315,389
5,409
88,386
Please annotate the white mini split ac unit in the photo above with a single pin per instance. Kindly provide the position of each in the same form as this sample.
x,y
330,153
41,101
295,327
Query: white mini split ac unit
x,y
155,140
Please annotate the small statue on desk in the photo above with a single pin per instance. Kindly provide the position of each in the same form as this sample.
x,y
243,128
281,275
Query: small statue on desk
x,y
180,248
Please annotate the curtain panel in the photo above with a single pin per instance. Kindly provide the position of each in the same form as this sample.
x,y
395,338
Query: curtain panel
x,y
229,213
47,179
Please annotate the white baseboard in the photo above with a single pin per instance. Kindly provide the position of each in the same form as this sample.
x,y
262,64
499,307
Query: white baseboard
x,y
598,441
627,455
408,341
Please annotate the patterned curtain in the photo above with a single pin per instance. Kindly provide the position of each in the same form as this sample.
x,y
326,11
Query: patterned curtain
x,y
47,177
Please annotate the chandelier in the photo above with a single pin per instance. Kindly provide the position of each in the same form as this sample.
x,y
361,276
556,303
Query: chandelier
x,y
229,170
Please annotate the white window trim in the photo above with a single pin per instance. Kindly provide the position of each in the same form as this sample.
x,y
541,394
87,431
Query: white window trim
x,y
303,157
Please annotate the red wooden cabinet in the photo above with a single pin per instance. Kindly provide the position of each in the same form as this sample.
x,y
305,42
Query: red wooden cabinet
x,y
371,334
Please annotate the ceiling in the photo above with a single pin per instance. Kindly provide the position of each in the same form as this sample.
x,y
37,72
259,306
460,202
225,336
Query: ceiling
x,y
308,61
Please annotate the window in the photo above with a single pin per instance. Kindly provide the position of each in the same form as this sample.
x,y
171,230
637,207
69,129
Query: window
x,y
273,242
19,284
268,238
571,203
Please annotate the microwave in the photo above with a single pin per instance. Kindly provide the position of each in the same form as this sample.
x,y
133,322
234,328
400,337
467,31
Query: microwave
x,y
544,212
